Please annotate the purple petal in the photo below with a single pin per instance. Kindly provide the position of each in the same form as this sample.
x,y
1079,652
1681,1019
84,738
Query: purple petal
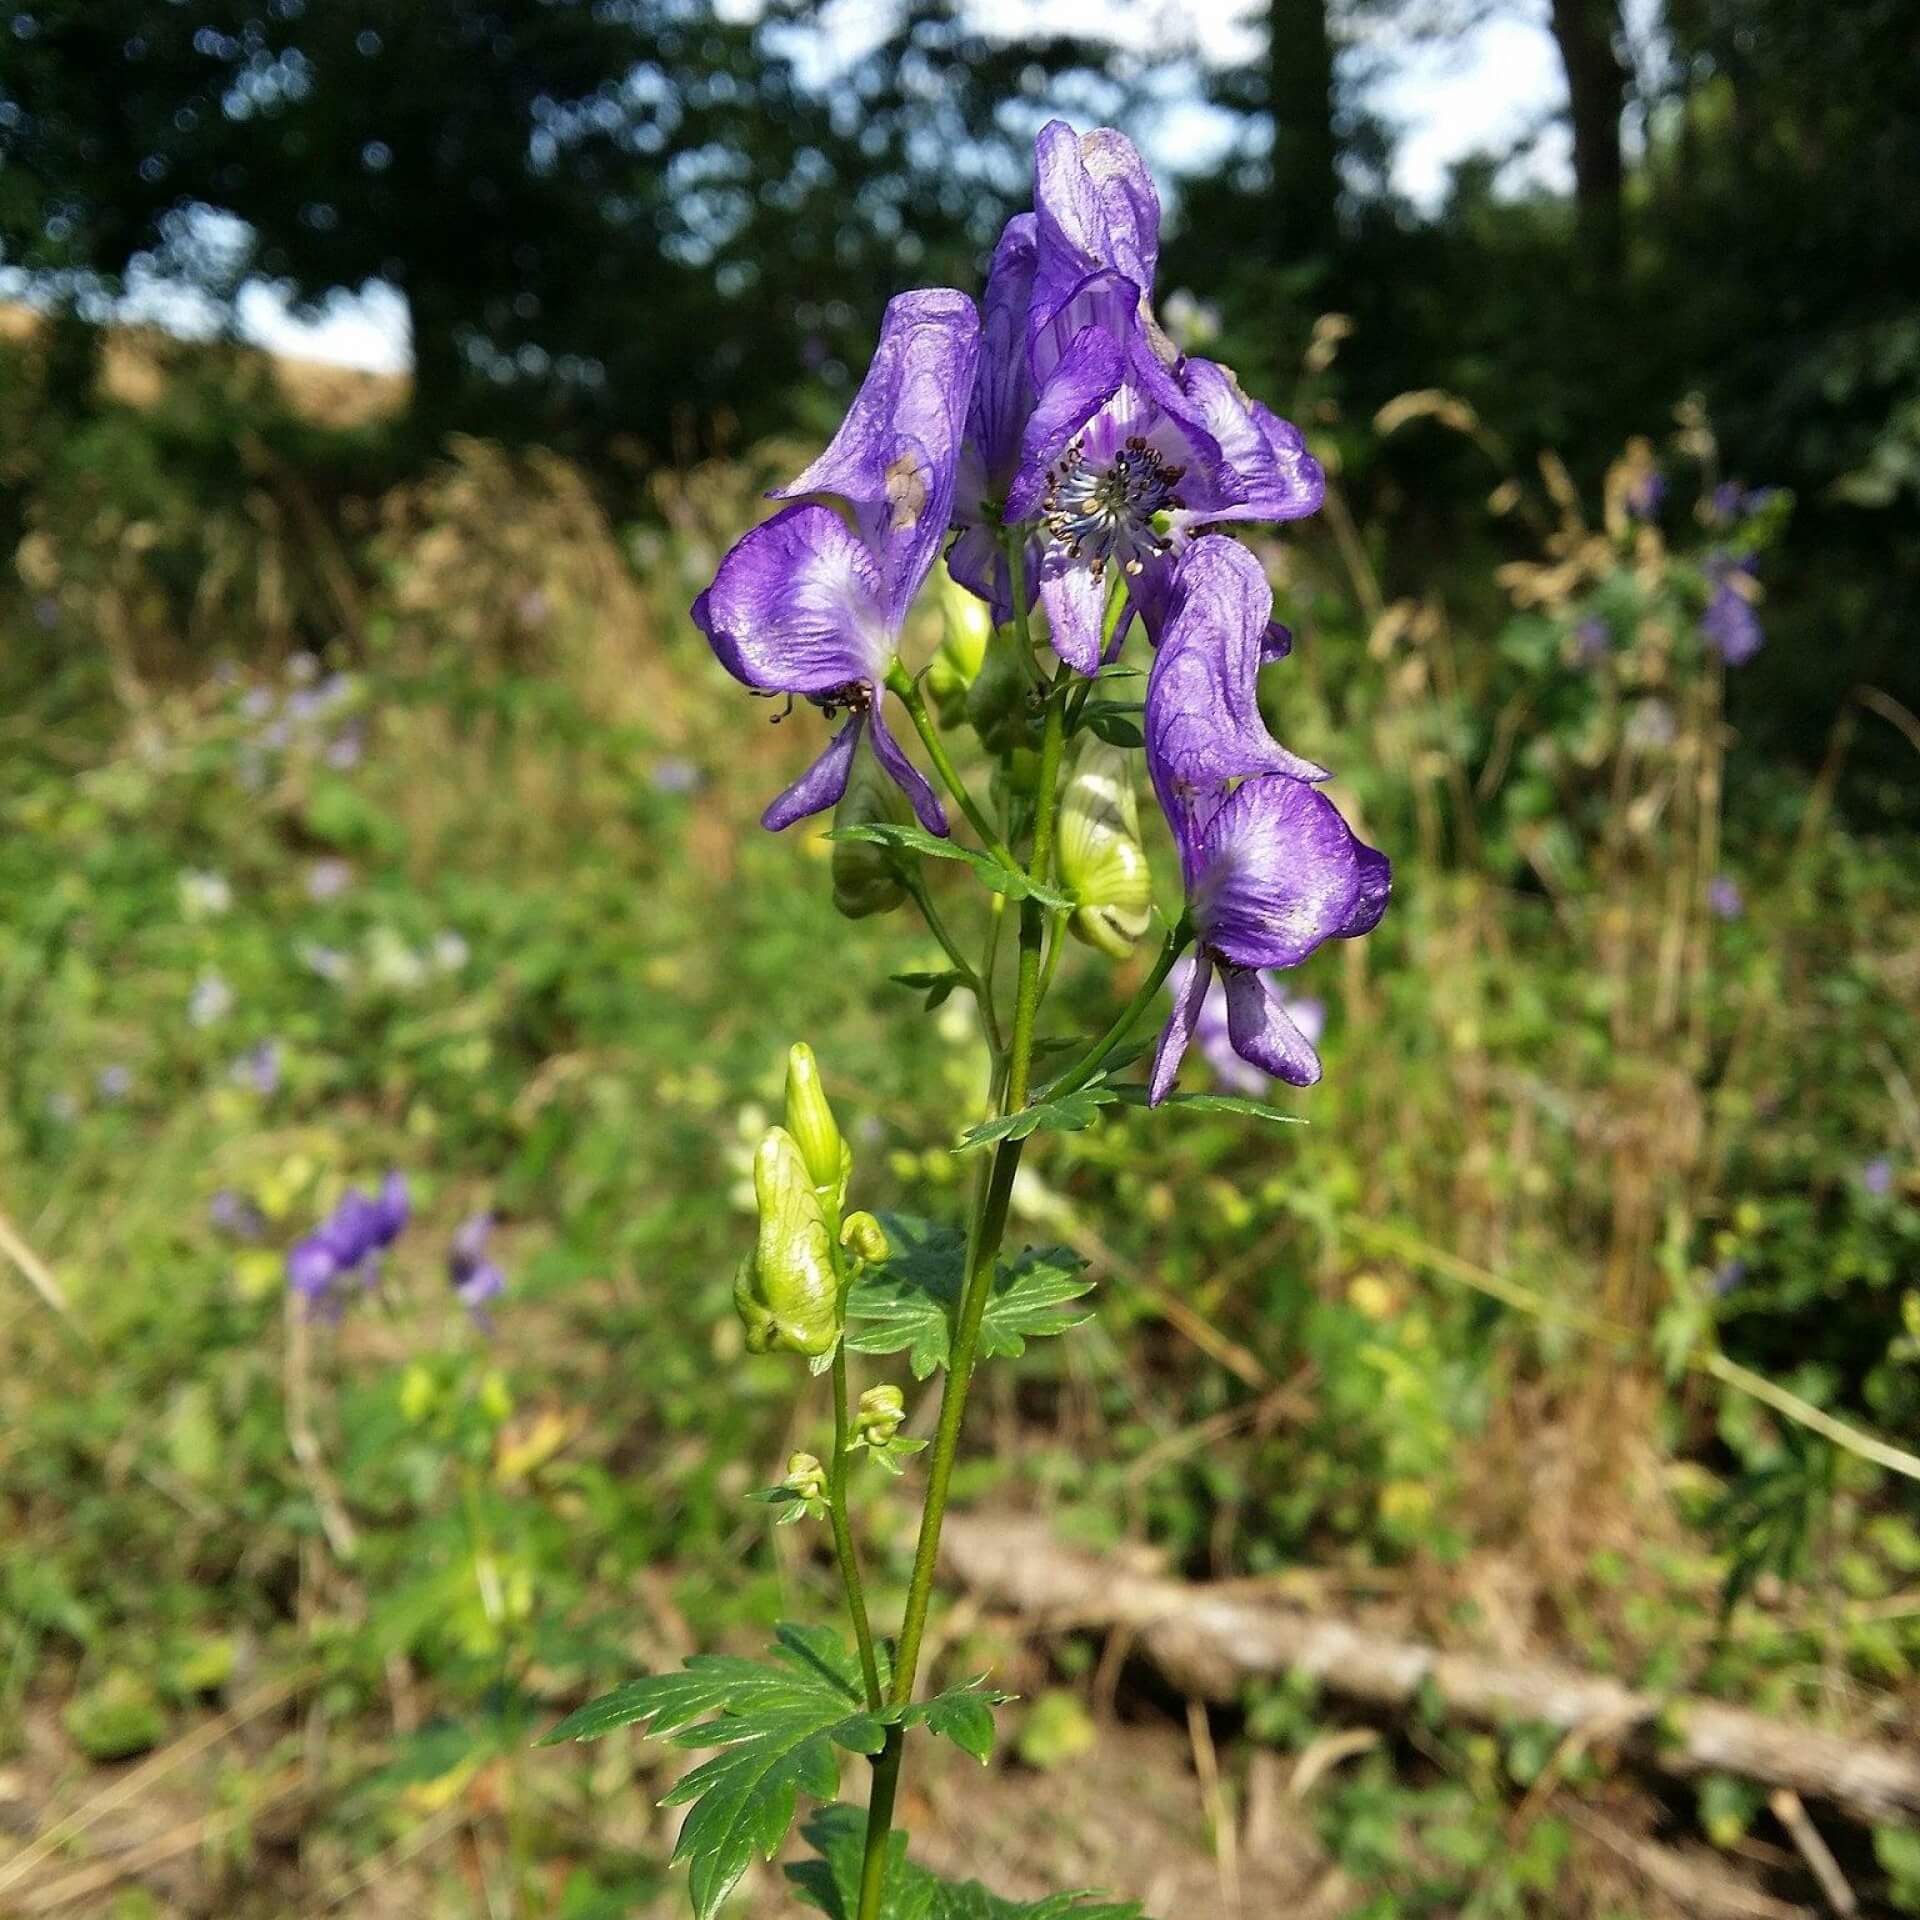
x,y
798,606
1188,981
1264,1034
905,775
393,1208
1087,377
978,560
1203,724
1094,206
1076,603
470,1241
486,1282
894,456
821,785
1278,872
1215,1042
311,1267
352,1230
1266,472
1276,643
1003,386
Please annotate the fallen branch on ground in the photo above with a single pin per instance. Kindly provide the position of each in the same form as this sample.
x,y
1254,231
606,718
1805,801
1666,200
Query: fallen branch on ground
x,y
1211,1640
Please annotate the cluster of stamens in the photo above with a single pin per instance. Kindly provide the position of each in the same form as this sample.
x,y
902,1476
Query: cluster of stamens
x,y
1105,513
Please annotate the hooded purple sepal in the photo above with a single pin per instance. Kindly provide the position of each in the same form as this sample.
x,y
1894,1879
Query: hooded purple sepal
x,y
475,1278
894,458
1203,725
1095,208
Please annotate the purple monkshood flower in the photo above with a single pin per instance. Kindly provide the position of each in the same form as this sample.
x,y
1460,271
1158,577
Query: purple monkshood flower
x,y
1271,871
1877,1176
1213,1036
1645,494
1730,621
258,1068
1592,639
346,1246
1125,448
804,604
1724,898
474,1278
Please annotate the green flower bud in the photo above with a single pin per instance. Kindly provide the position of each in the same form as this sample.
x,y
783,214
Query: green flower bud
x,y
864,1238
878,1417
866,878
806,1476
810,1121
966,627
787,1292
1000,707
1102,862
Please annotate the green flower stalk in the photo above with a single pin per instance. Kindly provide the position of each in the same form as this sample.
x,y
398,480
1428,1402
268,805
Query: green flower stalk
x,y
787,1291
1102,862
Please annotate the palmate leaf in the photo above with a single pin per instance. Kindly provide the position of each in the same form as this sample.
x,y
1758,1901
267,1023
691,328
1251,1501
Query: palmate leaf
x,y
776,1724
1074,1112
989,871
911,1302
830,1883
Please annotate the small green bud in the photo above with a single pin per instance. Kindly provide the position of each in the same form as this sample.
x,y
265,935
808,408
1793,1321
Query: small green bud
x,y
1000,706
864,1238
788,1293
810,1121
806,1476
966,627
1102,862
878,1417
866,878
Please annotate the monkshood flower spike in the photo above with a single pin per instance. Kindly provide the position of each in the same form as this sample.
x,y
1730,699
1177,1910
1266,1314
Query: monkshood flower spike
x,y
1127,449
346,1246
808,605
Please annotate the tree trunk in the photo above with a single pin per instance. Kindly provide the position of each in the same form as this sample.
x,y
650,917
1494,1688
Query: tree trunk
x,y
1300,98
1587,33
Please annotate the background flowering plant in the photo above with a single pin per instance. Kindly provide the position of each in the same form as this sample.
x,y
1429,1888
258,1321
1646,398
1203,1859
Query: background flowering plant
x,y
1081,463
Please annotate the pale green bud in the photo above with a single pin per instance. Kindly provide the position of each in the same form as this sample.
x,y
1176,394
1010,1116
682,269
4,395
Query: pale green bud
x,y
806,1476
878,1417
864,1238
788,1293
810,1121
1102,863
966,626
866,878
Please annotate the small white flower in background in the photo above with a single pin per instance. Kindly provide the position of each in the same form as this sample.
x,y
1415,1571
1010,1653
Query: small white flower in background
x,y
114,1082
749,1126
328,879
204,896
955,1023
303,668
257,703
210,1001
392,964
1032,1199
329,963
450,952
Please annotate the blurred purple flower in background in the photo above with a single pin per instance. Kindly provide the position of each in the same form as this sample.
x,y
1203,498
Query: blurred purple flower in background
x,y
1592,640
1730,621
258,1068
1645,495
676,776
474,1277
1877,1176
1725,898
345,1248
1726,1276
114,1082
343,753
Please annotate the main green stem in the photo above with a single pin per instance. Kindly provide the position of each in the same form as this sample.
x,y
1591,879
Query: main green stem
x,y
843,1546
908,688
988,1226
